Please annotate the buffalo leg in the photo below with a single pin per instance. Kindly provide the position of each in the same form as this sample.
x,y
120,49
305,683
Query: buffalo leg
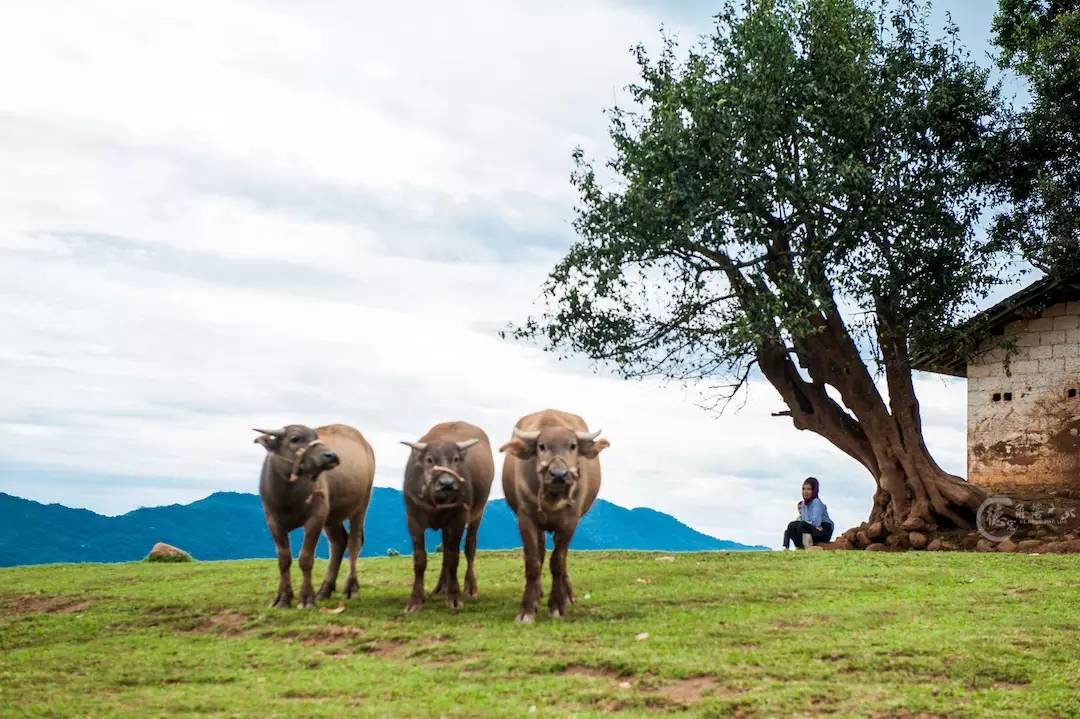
x,y
338,538
530,599
312,530
416,600
541,542
440,586
451,558
356,543
471,590
284,597
558,600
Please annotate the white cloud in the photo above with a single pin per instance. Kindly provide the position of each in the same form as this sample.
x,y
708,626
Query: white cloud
x,y
220,216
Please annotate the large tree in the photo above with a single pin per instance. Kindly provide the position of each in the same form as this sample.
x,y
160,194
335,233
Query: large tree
x,y
790,198
1036,162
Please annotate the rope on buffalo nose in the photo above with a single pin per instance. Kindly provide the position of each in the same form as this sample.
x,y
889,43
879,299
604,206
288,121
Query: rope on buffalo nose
x,y
436,470
439,469
298,458
571,490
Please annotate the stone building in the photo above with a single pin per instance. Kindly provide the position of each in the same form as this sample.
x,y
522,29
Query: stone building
x,y
1023,390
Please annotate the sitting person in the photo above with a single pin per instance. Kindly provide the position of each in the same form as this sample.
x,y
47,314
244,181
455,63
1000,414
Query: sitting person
x,y
813,518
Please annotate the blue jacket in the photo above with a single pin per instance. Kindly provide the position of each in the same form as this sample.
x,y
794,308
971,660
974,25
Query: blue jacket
x,y
814,513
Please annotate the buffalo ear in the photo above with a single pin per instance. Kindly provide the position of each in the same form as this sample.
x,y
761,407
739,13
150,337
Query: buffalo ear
x,y
269,441
592,448
519,448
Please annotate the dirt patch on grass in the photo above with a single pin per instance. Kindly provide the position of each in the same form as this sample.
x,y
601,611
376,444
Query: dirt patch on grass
x,y
584,670
656,693
688,691
44,604
384,649
330,634
229,624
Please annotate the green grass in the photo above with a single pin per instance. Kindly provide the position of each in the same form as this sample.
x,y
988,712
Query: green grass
x,y
742,635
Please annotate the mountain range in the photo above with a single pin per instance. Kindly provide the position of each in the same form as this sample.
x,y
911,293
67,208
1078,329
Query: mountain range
x,y
230,525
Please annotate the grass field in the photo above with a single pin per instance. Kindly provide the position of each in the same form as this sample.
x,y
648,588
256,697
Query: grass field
x,y
742,635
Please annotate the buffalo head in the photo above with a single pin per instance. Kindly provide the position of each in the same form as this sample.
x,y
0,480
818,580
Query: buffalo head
x,y
298,450
439,465
557,451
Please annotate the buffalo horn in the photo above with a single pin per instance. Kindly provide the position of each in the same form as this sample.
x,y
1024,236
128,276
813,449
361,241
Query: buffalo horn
x,y
418,446
271,432
465,444
528,436
587,436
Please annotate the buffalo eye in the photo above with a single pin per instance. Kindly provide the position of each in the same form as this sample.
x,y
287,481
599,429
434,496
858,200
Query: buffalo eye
x,y
455,460
295,440
430,460
573,446
541,447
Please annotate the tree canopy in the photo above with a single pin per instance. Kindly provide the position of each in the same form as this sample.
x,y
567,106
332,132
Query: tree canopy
x,y
1036,165
792,194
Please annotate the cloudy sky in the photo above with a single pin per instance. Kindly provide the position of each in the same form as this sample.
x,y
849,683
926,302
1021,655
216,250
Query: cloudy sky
x,y
215,216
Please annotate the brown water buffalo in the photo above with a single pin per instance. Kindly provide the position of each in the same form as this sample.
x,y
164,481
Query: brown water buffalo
x,y
551,476
447,482
316,479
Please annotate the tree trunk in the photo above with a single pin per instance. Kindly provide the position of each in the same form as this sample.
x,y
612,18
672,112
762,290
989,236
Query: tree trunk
x,y
913,492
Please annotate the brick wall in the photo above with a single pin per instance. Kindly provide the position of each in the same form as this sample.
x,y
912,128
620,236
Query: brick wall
x,y
1024,427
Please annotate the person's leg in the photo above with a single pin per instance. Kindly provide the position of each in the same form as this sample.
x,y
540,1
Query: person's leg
x,y
804,530
824,534
790,534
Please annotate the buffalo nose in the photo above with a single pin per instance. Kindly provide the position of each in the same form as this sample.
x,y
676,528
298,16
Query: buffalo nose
x,y
329,457
558,475
446,482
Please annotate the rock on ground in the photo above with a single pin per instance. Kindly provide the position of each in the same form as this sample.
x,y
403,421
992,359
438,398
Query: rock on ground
x,y
162,552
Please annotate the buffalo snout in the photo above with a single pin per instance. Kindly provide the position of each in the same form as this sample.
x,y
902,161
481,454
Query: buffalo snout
x,y
558,475
329,460
445,482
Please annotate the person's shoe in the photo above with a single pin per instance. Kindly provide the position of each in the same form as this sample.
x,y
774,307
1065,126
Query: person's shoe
x,y
807,540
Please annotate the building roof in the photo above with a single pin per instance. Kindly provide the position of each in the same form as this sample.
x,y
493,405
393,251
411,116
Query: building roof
x,y
952,358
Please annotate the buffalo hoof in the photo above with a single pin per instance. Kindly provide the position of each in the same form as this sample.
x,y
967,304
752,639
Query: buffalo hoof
x,y
557,613
307,602
472,592
324,592
526,618
282,601
413,607
455,604
352,588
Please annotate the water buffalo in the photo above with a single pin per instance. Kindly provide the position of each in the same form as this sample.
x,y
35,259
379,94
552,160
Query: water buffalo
x,y
447,482
551,476
315,479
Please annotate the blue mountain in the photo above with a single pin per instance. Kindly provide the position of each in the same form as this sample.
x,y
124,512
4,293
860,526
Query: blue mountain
x,y
230,525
